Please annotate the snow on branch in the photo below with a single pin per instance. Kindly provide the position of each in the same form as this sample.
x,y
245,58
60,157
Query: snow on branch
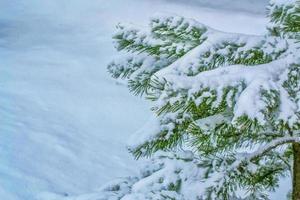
x,y
261,151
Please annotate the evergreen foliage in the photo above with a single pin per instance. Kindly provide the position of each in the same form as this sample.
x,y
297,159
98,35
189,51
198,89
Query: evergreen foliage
x,y
233,99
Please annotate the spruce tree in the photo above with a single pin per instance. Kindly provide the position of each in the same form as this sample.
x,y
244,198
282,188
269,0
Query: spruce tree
x,y
231,100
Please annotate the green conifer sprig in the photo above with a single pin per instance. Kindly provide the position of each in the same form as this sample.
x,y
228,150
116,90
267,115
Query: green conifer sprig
x,y
285,18
221,95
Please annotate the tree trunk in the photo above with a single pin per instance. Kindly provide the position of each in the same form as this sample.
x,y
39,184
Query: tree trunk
x,y
296,172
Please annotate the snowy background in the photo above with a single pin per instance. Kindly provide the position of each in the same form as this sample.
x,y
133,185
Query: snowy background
x,y
63,121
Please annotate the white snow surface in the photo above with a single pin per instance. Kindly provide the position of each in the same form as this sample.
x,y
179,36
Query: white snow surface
x,y
63,121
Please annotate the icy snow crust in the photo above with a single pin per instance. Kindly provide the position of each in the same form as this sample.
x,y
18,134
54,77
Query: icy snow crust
x,y
63,121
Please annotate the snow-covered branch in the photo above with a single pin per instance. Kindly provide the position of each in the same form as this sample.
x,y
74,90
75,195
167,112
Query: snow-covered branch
x,y
271,145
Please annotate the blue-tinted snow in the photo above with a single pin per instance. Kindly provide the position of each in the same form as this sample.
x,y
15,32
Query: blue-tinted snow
x,y
63,121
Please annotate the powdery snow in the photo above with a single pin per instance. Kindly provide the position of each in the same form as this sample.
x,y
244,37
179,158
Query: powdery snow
x,y
64,122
